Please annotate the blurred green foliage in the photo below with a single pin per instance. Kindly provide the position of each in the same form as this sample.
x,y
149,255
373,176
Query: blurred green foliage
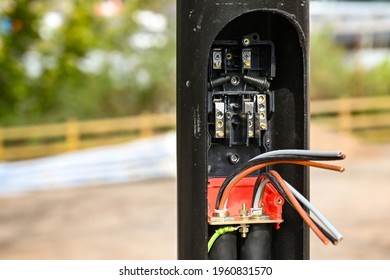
x,y
334,76
88,66
91,66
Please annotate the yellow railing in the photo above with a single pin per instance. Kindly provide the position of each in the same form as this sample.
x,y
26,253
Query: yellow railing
x,y
351,114
368,117
42,140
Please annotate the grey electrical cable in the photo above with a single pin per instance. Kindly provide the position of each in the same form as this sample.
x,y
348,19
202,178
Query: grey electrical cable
x,y
259,191
275,157
256,200
315,211
298,152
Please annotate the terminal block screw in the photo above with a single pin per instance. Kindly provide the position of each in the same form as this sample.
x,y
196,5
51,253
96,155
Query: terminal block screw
x,y
234,158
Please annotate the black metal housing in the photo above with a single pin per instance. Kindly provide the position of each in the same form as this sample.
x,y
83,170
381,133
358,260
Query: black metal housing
x,y
199,24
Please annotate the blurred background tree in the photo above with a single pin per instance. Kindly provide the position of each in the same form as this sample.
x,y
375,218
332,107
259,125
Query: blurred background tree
x,y
108,58
85,59
335,72
350,43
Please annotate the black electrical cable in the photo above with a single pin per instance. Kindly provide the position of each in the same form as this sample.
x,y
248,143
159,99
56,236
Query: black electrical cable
x,y
326,233
266,159
279,188
259,180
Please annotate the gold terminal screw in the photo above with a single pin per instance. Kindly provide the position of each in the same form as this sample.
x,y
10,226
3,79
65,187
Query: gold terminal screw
x,y
220,134
261,98
246,41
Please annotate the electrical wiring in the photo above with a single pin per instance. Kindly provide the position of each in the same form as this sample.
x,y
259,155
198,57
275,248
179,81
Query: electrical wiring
x,y
257,195
326,233
315,211
299,208
218,233
324,230
324,154
276,184
335,235
258,190
279,155
224,192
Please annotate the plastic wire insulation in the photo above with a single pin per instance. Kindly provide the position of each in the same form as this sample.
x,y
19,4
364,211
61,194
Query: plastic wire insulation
x,y
326,233
221,200
218,233
279,188
265,159
259,191
299,208
315,211
325,154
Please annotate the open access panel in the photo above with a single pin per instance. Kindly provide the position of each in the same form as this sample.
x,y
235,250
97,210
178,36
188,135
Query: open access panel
x,y
242,130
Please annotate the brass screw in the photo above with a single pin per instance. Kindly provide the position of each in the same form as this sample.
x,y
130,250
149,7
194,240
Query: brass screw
x,y
243,211
220,134
244,229
219,115
261,98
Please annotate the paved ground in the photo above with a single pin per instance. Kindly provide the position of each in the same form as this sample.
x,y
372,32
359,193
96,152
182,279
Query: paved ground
x,y
138,221
356,201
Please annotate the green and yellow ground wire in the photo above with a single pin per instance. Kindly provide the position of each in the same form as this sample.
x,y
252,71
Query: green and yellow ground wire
x,y
218,233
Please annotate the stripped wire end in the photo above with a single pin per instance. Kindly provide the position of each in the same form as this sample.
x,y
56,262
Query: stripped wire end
x,y
341,155
338,241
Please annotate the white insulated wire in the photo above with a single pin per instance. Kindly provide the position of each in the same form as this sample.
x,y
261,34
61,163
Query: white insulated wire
x,y
298,152
315,211
259,191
